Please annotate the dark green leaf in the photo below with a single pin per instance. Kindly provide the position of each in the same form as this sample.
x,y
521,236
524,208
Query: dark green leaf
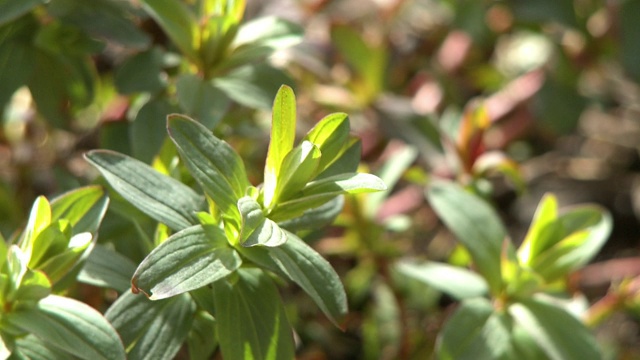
x,y
12,9
475,331
141,72
202,337
71,326
251,321
152,329
107,268
476,226
314,275
177,21
630,31
212,162
189,259
201,100
161,197
557,332
19,57
457,282
347,162
149,129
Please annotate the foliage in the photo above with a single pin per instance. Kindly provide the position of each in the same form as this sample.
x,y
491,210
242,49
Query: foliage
x,y
488,126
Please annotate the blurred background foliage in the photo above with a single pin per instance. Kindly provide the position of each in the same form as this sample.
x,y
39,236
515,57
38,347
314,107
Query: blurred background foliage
x,y
557,82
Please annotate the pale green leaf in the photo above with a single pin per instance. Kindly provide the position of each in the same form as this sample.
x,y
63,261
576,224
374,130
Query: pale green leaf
x,y
544,231
457,282
256,228
71,326
298,168
283,132
348,183
330,135
347,161
32,348
39,219
84,208
253,85
315,218
161,197
250,318
189,259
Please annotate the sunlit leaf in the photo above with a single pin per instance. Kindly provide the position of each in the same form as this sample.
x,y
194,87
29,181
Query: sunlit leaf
x,y
544,231
189,259
330,135
457,282
283,131
256,228
84,208
298,168
253,85
161,197
71,326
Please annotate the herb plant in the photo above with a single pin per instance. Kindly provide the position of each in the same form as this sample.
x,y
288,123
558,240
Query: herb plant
x,y
216,270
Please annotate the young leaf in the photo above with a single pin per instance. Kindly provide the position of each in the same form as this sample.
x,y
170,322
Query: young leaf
x,y
212,162
71,326
475,225
346,162
107,268
251,320
161,197
457,282
39,219
349,183
298,168
256,228
557,332
84,208
283,132
544,231
475,331
314,275
189,259
152,329
59,265
330,135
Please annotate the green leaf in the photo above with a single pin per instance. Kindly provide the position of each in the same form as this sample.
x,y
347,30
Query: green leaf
x,y
141,72
11,9
30,347
178,22
251,320
202,337
107,268
382,327
347,162
51,241
348,183
583,232
317,217
163,198
18,56
557,332
212,162
270,31
476,226
330,135
149,129
256,228
39,219
152,329
253,85
458,282
201,100
71,326
298,168
314,275
475,331
283,132
58,265
189,259
84,208
544,232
